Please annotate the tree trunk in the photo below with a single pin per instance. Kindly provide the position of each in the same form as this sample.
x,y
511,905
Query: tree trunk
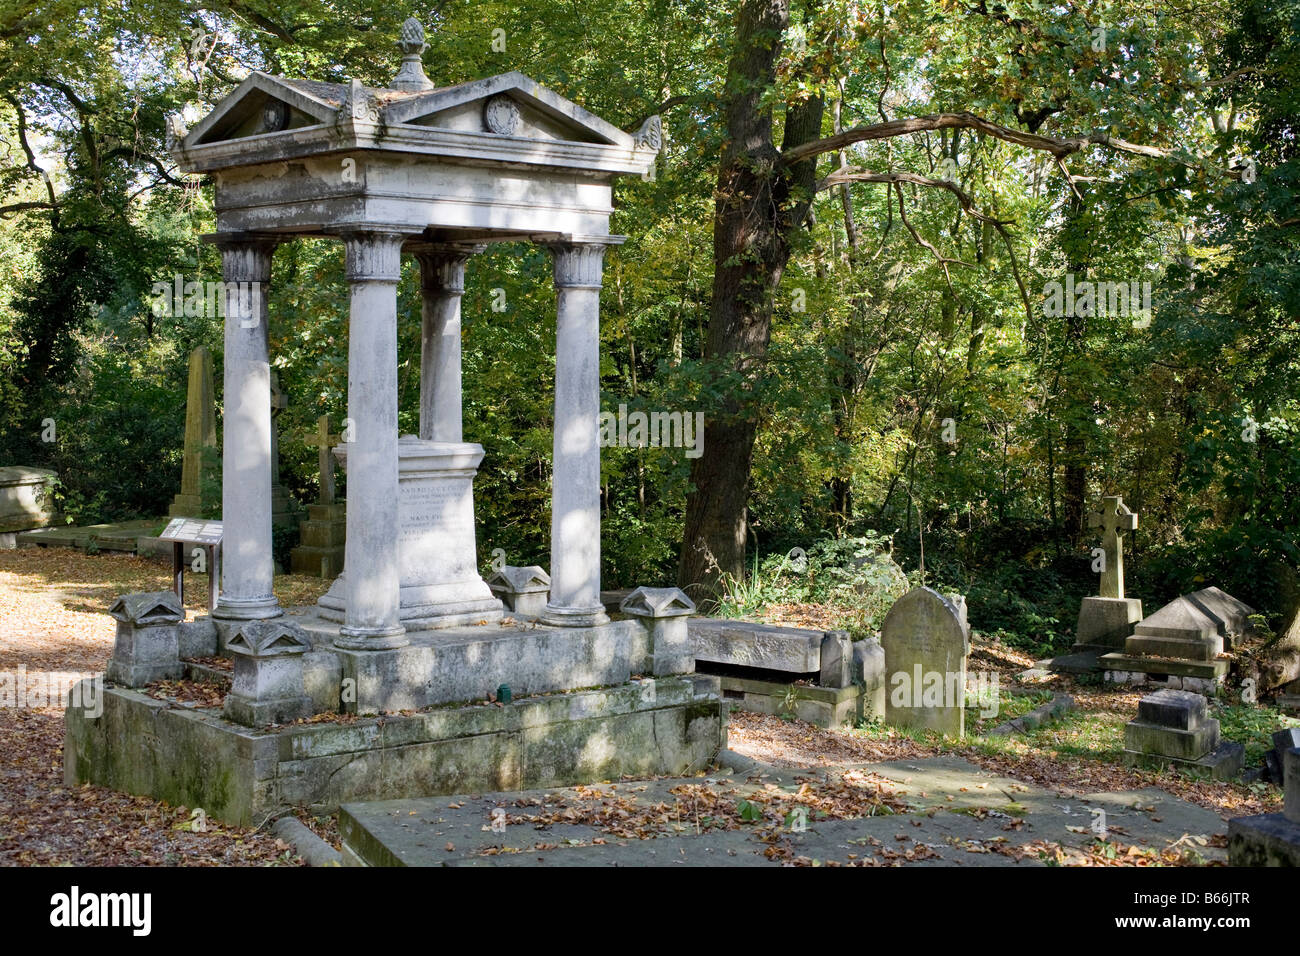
x,y
761,203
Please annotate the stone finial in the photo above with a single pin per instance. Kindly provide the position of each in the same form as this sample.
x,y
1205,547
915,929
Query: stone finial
x,y
657,602
269,638
147,608
651,134
523,590
410,78
175,131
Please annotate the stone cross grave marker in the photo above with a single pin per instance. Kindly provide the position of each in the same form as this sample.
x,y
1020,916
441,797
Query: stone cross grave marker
x,y
1114,519
324,441
926,637
200,434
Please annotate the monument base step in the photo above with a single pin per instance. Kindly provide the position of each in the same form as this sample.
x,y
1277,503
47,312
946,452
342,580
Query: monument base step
x,y
1080,660
829,707
1201,676
1225,762
316,562
1268,839
194,757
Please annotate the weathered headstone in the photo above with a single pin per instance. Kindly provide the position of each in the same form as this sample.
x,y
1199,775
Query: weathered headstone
x,y
1107,619
926,639
323,534
1172,727
200,438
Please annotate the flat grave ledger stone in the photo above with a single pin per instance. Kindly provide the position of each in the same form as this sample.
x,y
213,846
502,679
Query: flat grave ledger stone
x,y
926,639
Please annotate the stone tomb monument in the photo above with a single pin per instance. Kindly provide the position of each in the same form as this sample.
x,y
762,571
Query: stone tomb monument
x,y
822,677
926,639
1106,620
25,501
1171,727
1182,645
436,172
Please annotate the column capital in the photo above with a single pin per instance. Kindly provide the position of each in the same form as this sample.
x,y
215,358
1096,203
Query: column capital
x,y
442,267
245,258
579,262
373,255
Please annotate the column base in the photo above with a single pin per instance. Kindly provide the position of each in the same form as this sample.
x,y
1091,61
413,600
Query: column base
x,y
246,609
557,616
371,638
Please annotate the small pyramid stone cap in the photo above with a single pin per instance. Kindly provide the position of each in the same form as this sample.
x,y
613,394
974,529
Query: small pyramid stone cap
x,y
1180,618
519,580
657,602
148,607
271,638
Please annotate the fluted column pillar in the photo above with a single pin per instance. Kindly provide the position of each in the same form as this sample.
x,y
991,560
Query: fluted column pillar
x,y
371,620
575,465
247,565
442,283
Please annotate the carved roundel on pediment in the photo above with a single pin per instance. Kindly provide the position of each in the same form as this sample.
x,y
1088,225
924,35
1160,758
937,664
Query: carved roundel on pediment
x,y
501,115
275,116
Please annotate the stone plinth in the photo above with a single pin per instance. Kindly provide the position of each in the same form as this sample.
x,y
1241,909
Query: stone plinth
x,y
323,536
1105,623
268,684
147,647
197,758
523,590
1171,727
440,583
662,612
1182,644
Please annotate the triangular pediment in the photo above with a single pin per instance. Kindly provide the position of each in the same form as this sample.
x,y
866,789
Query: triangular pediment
x,y
265,104
148,607
510,104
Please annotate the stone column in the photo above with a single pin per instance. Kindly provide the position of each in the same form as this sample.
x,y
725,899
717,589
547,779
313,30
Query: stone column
x,y
374,261
442,283
247,567
575,464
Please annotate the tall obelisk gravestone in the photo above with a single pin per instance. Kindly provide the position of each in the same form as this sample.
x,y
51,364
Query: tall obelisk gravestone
x,y
200,436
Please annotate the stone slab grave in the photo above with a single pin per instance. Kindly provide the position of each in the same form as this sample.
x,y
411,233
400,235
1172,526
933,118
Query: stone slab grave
x,y
822,677
1108,618
405,679
125,536
1183,644
940,811
1171,728
1271,839
26,501
926,639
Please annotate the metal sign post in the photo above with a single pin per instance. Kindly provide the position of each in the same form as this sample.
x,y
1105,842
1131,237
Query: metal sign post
x,y
205,536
